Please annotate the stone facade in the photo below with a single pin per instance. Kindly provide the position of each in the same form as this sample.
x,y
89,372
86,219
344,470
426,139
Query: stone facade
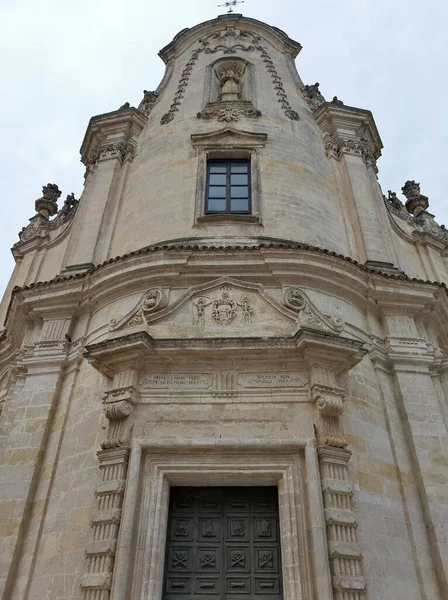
x,y
148,344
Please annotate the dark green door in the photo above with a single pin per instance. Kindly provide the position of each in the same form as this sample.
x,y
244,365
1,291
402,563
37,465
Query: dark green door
x,y
223,543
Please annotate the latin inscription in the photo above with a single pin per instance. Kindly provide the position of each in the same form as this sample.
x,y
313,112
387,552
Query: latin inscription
x,y
271,380
193,381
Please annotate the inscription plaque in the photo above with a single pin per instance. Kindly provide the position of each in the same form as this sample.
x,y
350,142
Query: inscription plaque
x,y
190,381
271,380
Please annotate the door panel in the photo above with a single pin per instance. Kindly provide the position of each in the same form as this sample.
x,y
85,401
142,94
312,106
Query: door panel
x,y
223,543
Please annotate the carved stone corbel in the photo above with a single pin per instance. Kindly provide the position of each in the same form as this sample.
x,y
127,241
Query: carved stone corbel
x,y
329,405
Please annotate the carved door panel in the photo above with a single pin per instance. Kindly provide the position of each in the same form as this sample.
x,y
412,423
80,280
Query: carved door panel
x,y
223,543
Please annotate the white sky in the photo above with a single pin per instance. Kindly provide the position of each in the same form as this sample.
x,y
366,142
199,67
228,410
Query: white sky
x,y
63,61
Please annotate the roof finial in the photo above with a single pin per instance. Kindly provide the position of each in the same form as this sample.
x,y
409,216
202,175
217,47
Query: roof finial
x,y
229,5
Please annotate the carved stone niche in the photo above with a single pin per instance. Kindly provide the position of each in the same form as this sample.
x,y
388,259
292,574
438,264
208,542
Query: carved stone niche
x,y
229,91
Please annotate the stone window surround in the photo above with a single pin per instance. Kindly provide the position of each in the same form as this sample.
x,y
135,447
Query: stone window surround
x,y
238,145
154,467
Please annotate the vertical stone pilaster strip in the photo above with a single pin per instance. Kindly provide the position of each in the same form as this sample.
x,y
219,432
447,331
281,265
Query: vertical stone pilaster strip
x,y
100,552
114,456
344,552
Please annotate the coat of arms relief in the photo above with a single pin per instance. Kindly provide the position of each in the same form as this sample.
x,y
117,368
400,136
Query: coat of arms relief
x,y
225,305
224,309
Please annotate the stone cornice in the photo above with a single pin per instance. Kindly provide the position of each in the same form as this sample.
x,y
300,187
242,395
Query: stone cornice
x,y
195,246
112,135
186,37
228,137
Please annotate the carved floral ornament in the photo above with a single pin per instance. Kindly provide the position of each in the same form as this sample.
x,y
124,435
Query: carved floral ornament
x,y
154,300
335,147
230,41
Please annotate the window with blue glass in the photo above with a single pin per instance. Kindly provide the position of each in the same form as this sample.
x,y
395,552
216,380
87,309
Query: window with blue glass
x,y
228,187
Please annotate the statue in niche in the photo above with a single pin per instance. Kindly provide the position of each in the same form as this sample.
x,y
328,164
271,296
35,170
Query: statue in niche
x,y
230,87
230,75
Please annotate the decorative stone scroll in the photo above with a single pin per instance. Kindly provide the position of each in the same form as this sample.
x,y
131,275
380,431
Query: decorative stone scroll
x,y
329,404
309,316
153,300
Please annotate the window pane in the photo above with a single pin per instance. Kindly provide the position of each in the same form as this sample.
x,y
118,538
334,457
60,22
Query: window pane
x,y
215,191
238,167
239,179
239,191
216,205
218,168
217,179
239,205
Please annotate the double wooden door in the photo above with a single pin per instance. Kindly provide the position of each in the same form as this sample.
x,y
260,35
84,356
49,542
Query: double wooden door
x,y
223,543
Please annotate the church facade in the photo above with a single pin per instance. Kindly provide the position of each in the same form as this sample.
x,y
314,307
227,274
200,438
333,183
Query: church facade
x,y
223,371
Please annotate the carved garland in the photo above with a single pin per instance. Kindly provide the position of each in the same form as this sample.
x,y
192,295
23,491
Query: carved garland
x,y
270,67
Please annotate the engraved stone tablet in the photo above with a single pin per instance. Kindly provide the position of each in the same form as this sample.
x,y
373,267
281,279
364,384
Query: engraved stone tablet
x,y
185,381
271,380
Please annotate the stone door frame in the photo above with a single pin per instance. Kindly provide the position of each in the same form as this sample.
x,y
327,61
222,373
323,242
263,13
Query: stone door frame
x,y
154,467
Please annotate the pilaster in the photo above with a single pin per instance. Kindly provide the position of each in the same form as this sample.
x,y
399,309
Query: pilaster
x,y
113,458
108,148
325,365
352,139
412,360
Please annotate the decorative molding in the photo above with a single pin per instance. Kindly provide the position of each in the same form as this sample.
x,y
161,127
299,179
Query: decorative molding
x,y
344,552
122,150
227,45
348,130
309,316
278,85
335,147
229,114
228,138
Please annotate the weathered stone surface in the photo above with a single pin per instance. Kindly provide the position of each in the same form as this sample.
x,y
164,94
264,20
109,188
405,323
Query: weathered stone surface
x,y
302,346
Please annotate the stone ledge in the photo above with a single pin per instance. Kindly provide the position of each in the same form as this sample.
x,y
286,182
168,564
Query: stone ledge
x,y
340,516
344,550
99,581
104,547
112,515
349,582
110,487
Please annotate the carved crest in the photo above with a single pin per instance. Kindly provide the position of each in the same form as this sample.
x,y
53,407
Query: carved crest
x,y
224,309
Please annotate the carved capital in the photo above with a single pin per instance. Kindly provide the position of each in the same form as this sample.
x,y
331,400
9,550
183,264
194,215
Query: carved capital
x,y
112,136
348,130
329,400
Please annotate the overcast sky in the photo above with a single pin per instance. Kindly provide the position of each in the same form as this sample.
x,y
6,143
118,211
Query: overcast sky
x,y
63,61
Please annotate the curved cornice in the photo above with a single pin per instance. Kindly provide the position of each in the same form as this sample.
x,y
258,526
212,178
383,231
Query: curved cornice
x,y
186,37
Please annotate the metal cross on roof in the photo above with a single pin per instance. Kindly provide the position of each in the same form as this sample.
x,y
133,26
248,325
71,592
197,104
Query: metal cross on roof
x,y
231,3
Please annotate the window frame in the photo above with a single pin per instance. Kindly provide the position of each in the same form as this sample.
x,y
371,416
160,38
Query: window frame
x,y
228,198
